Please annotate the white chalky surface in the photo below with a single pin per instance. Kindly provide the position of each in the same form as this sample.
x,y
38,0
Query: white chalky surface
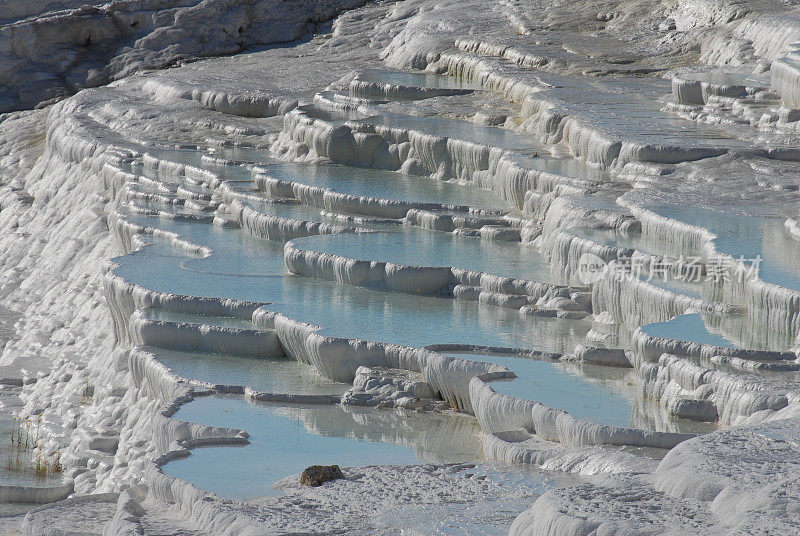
x,y
648,104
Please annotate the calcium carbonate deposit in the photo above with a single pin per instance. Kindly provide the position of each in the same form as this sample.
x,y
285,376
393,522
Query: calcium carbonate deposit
x,y
517,267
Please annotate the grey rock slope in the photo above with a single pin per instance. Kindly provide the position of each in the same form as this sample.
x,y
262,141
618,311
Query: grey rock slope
x,y
51,49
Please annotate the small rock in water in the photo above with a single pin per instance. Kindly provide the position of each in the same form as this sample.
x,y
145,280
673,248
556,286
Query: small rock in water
x,y
315,475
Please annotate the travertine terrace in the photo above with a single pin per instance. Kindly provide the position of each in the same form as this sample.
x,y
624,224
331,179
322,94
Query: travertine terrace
x,y
518,267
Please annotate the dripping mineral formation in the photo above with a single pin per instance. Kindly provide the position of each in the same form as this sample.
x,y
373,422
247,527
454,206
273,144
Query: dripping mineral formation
x,y
511,267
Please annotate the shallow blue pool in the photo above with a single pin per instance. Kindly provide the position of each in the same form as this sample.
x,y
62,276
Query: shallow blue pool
x,y
286,440
690,327
384,184
419,247
749,237
268,375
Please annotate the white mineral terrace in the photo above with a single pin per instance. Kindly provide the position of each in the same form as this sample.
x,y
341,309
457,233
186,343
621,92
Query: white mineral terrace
x,y
517,267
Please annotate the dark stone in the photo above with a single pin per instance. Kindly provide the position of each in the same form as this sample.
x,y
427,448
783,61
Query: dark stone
x,y
315,475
